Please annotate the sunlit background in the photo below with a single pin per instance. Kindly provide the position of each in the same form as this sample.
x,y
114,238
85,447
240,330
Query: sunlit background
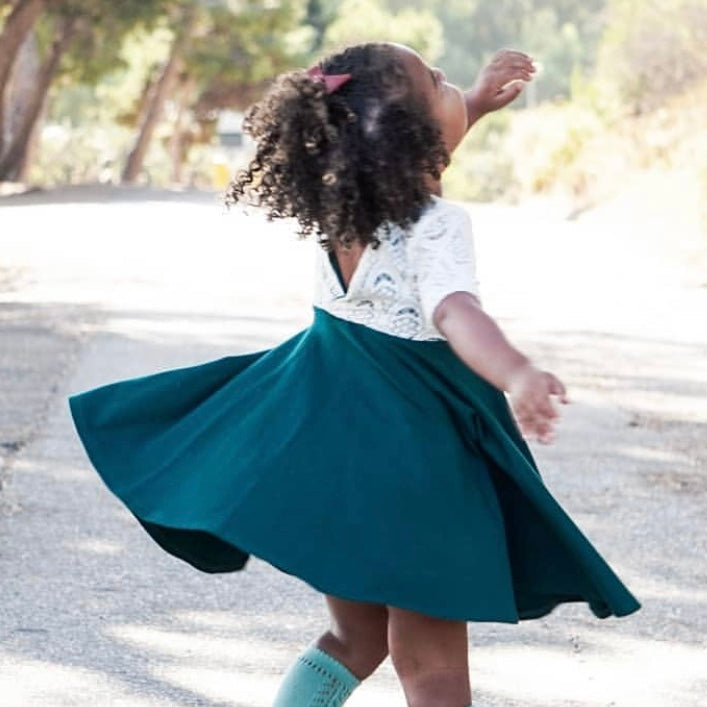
x,y
152,91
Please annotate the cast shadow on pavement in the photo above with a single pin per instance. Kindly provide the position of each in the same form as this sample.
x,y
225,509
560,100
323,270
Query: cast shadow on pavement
x,y
95,613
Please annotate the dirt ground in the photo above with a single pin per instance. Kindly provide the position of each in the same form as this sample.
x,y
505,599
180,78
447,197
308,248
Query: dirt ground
x,y
101,283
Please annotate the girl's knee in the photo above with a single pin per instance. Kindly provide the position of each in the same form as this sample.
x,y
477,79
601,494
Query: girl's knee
x,y
360,652
358,636
420,643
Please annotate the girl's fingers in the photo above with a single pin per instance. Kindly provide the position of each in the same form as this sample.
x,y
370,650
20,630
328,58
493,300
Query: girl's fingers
x,y
544,429
528,425
536,419
506,62
548,438
516,80
546,433
504,86
534,409
503,53
546,410
557,388
506,95
518,62
521,66
542,432
510,73
537,423
504,67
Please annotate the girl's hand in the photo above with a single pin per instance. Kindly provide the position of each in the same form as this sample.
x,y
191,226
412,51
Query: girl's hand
x,y
530,391
479,342
499,83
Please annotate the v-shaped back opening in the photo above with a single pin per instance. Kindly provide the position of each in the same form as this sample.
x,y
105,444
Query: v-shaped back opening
x,y
337,269
336,266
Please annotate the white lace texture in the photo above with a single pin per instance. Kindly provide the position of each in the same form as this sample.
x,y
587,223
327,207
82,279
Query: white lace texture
x,y
396,287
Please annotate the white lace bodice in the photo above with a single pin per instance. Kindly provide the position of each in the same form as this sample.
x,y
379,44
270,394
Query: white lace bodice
x,y
396,287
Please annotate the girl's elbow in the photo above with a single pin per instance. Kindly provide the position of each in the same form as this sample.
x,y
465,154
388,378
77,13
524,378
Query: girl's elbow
x,y
454,304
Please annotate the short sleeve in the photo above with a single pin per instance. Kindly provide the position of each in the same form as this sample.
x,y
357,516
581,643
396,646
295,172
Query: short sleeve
x,y
442,255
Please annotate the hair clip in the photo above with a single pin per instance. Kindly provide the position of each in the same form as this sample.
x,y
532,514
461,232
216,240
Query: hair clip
x,y
332,82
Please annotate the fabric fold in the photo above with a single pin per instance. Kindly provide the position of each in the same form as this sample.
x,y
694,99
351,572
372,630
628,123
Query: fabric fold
x,y
373,467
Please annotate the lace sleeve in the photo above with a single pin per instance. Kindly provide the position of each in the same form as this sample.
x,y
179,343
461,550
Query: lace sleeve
x,y
442,255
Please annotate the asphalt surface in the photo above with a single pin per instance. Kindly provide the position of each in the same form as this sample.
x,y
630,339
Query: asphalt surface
x,y
101,284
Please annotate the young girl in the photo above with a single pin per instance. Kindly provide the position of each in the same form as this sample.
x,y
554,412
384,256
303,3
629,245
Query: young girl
x,y
373,454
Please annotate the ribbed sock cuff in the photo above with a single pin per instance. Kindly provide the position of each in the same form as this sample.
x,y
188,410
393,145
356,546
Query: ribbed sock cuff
x,y
316,679
322,662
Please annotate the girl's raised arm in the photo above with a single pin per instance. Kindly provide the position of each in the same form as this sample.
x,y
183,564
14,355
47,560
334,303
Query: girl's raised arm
x,y
499,83
480,344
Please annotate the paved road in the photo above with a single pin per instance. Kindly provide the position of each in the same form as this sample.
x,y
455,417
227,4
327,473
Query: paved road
x,y
95,286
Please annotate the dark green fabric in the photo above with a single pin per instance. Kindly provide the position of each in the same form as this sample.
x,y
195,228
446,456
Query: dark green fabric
x,y
373,467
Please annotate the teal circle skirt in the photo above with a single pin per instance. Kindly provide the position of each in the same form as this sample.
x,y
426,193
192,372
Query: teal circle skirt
x,y
374,468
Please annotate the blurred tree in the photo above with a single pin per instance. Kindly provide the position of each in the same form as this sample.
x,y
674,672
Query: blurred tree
x,y
372,20
653,49
218,50
18,23
562,35
25,73
65,29
181,136
244,45
184,19
230,50
81,40
320,14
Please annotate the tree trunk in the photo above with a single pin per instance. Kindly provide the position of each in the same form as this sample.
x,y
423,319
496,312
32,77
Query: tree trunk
x,y
163,88
18,23
148,92
178,139
21,84
33,143
11,160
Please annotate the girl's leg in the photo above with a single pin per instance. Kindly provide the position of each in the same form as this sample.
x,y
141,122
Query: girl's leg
x,y
358,636
430,656
328,671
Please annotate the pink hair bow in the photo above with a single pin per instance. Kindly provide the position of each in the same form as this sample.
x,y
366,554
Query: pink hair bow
x,y
332,82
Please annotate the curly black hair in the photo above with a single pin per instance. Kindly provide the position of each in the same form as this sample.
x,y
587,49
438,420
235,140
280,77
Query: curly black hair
x,y
345,163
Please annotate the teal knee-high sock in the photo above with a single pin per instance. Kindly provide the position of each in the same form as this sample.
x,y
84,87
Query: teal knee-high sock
x,y
316,680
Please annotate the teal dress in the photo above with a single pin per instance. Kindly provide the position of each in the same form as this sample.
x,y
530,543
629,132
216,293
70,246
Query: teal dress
x,y
374,467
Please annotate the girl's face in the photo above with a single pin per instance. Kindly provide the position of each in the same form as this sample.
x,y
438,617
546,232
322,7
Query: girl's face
x,y
446,101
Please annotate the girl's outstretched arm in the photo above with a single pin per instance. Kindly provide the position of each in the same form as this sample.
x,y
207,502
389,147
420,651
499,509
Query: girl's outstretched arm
x,y
480,344
499,83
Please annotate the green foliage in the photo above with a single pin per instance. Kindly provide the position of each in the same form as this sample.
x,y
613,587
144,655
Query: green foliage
x,y
114,98
548,143
252,44
570,132
94,111
562,35
100,27
515,154
368,20
94,152
482,168
320,14
236,42
653,49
